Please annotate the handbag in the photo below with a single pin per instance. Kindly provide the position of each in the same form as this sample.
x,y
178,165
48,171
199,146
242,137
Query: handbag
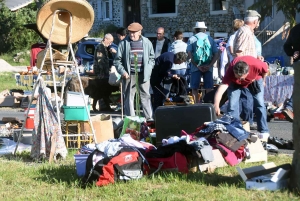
x,y
177,162
114,77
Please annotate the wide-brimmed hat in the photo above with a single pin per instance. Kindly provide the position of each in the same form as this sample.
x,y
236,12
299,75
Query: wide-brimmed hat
x,y
134,27
82,20
252,13
200,25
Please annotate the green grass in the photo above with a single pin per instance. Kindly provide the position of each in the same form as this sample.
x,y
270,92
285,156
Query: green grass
x,y
9,58
22,179
8,82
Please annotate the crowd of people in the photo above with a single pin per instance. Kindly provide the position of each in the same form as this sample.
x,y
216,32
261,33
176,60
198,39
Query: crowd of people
x,y
147,66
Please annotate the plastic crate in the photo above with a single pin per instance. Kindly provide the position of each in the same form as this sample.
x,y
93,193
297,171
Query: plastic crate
x,y
76,113
80,160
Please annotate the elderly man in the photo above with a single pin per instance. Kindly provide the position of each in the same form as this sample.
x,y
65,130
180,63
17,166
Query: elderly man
x,y
131,47
204,69
244,42
161,44
101,57
243,72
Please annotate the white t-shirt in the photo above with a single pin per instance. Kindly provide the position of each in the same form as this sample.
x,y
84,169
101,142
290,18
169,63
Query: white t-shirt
x,y
159,45
230,44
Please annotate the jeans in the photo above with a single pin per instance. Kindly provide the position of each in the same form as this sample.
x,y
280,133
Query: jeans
x,y
289,104
234,94
246,106
129,90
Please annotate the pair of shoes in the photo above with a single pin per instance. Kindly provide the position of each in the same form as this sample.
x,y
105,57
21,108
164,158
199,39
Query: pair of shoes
x,y
289,115
253,126
281,143
263,136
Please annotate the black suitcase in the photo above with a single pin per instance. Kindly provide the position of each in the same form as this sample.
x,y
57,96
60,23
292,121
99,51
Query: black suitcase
x,y
170,120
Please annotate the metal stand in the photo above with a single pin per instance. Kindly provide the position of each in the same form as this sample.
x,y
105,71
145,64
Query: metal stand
x,y
64,63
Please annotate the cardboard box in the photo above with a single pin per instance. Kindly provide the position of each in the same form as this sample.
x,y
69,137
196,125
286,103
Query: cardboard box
x,y
7,101
266,177
218,162
257,152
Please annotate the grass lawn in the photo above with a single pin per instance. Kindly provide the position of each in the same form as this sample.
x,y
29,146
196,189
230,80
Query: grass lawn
x,y
22,179
8,82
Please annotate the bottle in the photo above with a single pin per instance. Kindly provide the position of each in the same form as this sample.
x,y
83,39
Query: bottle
x,y
278,69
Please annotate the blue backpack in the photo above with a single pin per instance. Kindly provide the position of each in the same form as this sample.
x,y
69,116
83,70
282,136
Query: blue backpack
x,y
203,53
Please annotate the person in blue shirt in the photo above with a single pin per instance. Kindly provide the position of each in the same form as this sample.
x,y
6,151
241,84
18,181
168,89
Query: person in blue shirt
x,y
161,70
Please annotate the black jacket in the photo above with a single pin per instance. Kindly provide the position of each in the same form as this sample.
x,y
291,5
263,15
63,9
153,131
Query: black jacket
x,y
165,47
292,44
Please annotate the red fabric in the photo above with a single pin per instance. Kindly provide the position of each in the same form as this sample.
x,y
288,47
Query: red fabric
x,y
176,162
231,158
108,176
35,49
192,135
256,69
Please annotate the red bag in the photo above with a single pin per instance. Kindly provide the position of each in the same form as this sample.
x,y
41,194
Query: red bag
x,y
177,162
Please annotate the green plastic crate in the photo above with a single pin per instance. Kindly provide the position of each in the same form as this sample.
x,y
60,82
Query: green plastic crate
x,y
76,113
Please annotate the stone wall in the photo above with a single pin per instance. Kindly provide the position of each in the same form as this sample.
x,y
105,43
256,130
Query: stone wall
x,y
117,17
189,12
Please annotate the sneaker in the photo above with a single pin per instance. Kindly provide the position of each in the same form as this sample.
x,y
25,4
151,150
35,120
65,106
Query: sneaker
x,y
289,115
263,136
253,126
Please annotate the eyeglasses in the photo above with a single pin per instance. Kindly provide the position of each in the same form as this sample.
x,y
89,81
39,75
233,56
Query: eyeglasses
x,y
159,33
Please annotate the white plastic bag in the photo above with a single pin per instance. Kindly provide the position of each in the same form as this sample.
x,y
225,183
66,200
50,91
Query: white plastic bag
x,y
114,77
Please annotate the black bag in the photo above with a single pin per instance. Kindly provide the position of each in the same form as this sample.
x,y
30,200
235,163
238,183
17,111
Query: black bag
x,y
254,87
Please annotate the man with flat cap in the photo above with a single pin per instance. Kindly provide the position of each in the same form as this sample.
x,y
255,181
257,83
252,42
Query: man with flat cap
x,y
135,45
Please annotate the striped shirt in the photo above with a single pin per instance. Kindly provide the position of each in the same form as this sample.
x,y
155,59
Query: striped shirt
x,y
136,48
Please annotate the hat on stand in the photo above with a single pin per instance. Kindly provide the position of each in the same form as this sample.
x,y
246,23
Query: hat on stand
x,y
82,20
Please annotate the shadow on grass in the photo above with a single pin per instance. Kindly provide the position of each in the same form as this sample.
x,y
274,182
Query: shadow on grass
x,y
214,179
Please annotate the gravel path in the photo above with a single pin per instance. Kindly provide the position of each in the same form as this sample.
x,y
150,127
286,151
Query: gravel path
x,y
6,67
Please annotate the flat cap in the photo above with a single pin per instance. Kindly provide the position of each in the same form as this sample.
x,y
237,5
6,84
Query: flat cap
x,y
135,27
252,13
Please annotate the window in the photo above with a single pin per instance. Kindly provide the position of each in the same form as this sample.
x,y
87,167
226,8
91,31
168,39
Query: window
x,y
163,8
106,8
90,49
166,6
103,9
218,7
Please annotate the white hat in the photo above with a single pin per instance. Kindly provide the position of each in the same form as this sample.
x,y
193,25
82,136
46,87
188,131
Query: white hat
x,y
200,25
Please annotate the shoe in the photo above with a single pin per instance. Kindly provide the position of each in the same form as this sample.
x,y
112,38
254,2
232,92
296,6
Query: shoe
x,y
289,115
253,126
263,136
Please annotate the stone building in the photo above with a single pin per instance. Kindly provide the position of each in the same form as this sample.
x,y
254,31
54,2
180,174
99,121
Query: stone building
x,y
171,14
183,14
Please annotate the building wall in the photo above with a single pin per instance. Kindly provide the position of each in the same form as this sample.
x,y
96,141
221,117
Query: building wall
x,y
189,12
117,16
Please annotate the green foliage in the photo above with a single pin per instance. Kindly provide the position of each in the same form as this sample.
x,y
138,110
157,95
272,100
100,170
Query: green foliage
x,y
289,8
14,36
104,29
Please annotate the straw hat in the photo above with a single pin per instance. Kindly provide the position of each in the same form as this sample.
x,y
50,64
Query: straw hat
x,y
82,20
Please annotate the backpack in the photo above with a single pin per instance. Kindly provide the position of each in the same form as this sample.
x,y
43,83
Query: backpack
x,y
203,53
127,164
